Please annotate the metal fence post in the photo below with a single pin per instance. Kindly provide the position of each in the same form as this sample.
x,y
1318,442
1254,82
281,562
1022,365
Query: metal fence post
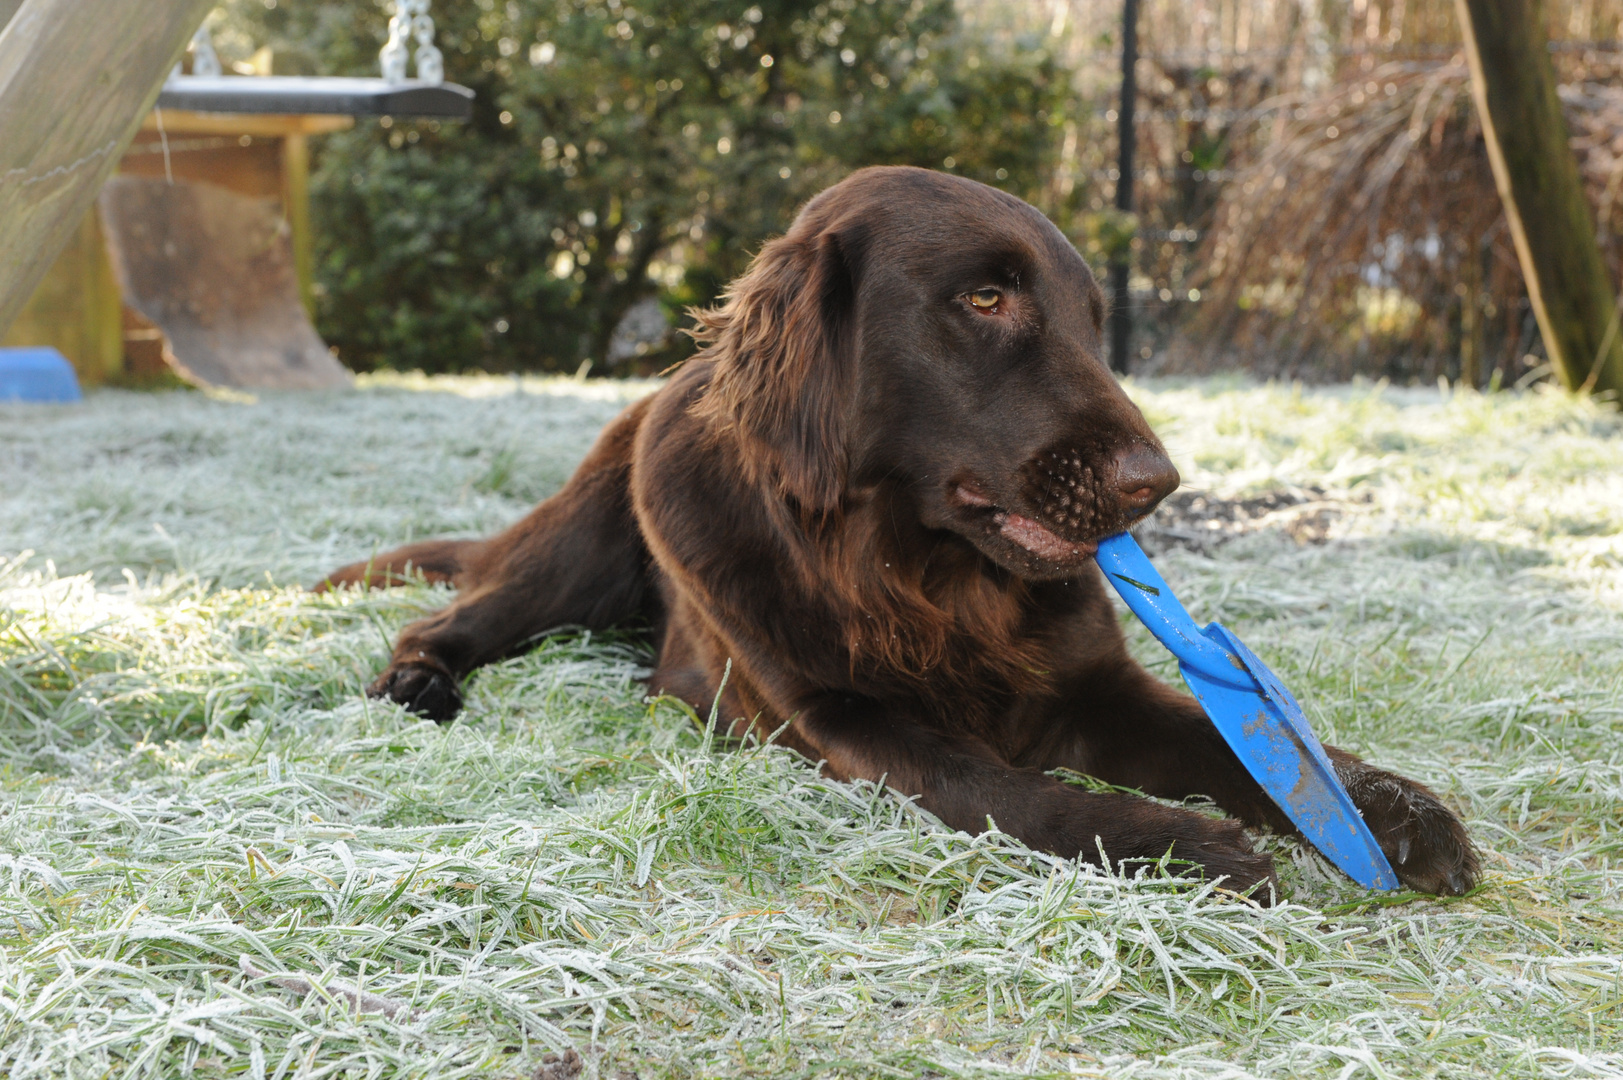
x,y
1121,313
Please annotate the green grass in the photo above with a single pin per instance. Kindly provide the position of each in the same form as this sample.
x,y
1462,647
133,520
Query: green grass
x,y
189,776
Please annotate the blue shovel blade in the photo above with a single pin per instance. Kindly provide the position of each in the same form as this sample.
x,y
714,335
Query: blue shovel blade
x,y
1256,715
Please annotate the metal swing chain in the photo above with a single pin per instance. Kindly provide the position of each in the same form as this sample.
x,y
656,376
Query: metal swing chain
x,y
411,20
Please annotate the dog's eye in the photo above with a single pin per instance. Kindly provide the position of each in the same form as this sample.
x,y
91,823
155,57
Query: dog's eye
x,y
986,299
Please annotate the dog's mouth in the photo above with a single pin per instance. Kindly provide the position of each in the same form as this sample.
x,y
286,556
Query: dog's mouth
x,y
1024,532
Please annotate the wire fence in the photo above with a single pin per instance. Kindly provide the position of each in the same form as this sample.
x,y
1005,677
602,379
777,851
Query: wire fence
x,y
1385,52
1220,83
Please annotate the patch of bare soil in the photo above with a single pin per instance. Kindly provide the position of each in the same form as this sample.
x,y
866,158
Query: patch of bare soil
x,y
1199,521
563,1066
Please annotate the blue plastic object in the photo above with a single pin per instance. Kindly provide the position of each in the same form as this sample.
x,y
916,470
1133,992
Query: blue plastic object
x,y
1255,714
37,375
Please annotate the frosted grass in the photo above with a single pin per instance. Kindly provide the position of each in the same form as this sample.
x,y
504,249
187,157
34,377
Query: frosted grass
x,y
194,794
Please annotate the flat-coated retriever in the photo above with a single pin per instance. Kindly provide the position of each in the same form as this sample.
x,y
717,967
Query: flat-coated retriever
x,y
876,491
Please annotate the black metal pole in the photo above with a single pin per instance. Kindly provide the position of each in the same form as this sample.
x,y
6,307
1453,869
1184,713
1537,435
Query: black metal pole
x,y
1121,313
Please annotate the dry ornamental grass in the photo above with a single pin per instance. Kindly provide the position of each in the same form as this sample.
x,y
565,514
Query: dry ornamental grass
x,y
218,859
1364,232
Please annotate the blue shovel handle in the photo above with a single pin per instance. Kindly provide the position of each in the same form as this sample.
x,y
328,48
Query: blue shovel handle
x,y
1143,589
1255,714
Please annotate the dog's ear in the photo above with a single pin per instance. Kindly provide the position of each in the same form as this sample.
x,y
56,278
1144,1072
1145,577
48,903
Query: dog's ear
x,y
782,342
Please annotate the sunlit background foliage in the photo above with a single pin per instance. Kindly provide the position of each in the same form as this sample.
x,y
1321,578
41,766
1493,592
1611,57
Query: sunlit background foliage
x,y
619,152
1294,213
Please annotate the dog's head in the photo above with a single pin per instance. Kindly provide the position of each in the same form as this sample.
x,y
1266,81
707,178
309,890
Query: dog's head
x,y
920,329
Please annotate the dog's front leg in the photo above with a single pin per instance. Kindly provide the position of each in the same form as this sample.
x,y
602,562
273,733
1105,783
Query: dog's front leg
x,y
578,559
961,780
1130,729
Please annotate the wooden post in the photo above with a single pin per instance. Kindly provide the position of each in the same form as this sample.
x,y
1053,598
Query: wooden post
x,y
1513,84
77,309
76,76
1121,312
296,208
1469,290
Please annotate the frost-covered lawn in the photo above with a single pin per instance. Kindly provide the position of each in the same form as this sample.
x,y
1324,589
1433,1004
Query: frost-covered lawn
x,y
191,782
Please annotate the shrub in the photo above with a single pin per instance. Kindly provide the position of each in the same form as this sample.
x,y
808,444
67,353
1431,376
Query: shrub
x,y
618,152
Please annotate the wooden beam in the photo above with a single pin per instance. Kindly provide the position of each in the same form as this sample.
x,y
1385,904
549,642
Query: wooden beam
x,y
186,122
296,209
1513,83
76,77
77,308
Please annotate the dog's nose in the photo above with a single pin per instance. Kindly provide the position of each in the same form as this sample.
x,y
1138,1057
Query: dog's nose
x,y
1144,477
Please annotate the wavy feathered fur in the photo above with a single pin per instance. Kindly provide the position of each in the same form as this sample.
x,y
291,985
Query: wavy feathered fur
x,y
848,501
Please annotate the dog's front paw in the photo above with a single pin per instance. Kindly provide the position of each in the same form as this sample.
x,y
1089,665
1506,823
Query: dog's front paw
x,y
427,691
1423,840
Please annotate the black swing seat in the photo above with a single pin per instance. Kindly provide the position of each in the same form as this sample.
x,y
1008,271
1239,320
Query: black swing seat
x,y
324,95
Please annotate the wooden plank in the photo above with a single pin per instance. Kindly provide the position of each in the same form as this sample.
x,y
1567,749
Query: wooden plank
x,y
186,122
1513,84
273,161
76,76
248,165
77,309
214,271
296,209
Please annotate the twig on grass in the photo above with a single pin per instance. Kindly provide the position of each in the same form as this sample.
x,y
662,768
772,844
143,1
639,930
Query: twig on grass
x,y
360,999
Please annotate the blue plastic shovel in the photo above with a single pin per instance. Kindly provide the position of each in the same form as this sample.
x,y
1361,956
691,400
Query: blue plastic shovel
x,y
1255,714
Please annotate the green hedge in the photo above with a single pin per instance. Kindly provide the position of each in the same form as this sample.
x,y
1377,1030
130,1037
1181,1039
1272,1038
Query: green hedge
x,y
618,152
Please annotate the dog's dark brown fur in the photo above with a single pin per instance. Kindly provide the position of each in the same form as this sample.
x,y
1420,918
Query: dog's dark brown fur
x,y
875,491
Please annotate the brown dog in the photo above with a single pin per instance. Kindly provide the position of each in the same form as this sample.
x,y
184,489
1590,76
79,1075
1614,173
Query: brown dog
x,y
876,491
